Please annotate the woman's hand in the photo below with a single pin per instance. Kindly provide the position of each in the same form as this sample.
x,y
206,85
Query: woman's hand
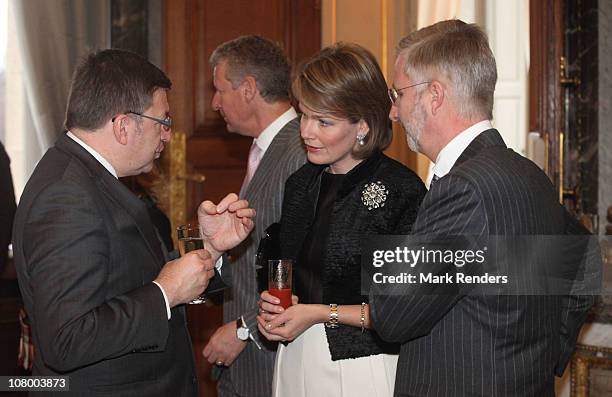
x,y
279,324
270,304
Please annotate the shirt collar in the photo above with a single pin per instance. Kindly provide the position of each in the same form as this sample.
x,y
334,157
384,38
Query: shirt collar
x,y
95,154
451,152
264,139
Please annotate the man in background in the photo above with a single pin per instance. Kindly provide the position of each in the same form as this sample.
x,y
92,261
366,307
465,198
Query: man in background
x,y
252,80
105,304
453,344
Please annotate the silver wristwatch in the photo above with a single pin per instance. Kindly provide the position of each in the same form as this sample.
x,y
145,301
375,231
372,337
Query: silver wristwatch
x,y
242,331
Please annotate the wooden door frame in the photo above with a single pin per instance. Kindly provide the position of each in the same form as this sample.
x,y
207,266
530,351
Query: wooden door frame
x,y
546,111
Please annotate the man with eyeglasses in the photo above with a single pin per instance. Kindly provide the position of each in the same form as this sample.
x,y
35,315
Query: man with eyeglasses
x,y
105,301
472,345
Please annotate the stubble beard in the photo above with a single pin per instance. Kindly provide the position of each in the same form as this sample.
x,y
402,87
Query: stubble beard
x,y
414,127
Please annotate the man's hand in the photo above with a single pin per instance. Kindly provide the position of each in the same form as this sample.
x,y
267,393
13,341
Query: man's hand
x,y
226,224
224,346
187,277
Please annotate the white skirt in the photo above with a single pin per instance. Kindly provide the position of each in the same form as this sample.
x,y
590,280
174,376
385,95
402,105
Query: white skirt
x,y
304,368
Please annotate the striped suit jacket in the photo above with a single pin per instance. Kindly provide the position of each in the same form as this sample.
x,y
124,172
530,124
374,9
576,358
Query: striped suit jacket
x,y
484,345
251,372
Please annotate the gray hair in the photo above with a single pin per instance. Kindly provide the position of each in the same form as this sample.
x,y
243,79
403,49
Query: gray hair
x,y
459,54
260,58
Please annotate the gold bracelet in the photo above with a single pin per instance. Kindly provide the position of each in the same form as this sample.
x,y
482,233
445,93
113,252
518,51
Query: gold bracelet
x,y
333,316
362,319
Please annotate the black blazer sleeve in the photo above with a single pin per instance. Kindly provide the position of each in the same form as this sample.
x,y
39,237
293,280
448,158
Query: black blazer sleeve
x,y
68,252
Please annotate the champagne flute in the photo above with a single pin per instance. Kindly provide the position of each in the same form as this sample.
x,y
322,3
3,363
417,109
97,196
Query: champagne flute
x,y
190,239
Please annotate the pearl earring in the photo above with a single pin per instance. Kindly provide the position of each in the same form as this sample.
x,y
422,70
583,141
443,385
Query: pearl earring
x,y
361,140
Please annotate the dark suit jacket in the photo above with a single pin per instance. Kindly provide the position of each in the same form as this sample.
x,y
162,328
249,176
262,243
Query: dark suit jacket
x,y
251,372
484,345
86,254
351,221
7,206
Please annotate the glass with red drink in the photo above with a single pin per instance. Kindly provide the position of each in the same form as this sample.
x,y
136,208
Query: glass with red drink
x,y
279,280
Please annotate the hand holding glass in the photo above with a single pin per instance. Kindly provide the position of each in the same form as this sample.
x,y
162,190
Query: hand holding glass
x,y
190,239
279,280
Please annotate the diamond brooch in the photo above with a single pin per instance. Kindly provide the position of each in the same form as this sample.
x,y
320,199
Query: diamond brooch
x,y
374,195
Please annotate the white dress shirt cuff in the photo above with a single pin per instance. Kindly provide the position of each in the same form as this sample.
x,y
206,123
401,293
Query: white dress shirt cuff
x,y
219,264
165,299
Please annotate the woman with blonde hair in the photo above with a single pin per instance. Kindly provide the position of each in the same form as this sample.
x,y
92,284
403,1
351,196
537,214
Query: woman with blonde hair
x,y
348,190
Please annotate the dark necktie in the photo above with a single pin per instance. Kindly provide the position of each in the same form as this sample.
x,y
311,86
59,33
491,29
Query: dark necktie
x,y
433,180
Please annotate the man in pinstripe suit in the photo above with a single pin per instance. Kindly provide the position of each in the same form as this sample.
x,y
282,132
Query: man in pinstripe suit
x,y
251,78
442,94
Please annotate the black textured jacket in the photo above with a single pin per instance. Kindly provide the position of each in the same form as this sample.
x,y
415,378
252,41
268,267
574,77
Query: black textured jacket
x,y
350,223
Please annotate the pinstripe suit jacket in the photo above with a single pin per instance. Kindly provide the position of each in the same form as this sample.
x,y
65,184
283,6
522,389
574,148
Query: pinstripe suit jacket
x,y
251,373
484,345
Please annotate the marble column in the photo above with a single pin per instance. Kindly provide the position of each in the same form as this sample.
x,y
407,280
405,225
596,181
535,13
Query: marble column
x,y
600,333
605,112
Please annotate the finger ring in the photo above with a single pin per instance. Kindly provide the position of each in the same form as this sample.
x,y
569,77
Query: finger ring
x,y
262,311
219,363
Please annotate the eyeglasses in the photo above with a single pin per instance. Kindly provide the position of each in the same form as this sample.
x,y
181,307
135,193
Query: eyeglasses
x,y
165,123
394,92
